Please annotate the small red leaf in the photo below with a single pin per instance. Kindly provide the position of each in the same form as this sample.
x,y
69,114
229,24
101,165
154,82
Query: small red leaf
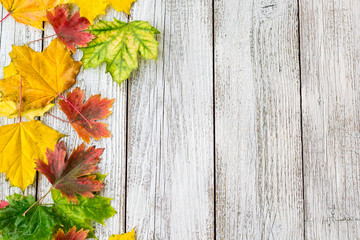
x,y
3,204
76,175
70,30
71,234
93,109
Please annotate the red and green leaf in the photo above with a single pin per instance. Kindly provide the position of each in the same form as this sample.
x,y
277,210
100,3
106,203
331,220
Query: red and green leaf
x,y
76,175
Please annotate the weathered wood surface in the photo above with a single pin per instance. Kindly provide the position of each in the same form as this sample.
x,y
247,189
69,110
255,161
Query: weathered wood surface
x,y
170,178
330,61
258,130
244,128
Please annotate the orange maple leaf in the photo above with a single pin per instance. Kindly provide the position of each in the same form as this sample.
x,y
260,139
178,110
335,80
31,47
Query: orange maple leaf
x,y
71,234
44,75
83,116
30,12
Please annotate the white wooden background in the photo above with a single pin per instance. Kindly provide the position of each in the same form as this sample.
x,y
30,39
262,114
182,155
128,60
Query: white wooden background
x,y
247,126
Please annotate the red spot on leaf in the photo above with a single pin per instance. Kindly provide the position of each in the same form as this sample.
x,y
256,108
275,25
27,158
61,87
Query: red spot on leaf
x,y
3,204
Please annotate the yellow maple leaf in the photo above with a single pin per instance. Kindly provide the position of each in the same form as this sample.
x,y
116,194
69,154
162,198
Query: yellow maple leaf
x,y
31,113
90,9
7,108
125,236
30,12
10,108
10,70
20,145
122,5
44,75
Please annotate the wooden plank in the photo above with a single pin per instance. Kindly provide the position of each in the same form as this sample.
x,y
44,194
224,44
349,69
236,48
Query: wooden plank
x,y
14,33
258,130
95,81
170,191
330,36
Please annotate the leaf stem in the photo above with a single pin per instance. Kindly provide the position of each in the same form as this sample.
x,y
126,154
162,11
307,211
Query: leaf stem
x,y
41,39
38,201
5,17
20,99
77,110
59,118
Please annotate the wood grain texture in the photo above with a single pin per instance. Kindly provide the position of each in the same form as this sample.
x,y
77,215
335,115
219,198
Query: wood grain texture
x,y
95,81
330,60
258,130
160,159
170,192
14,33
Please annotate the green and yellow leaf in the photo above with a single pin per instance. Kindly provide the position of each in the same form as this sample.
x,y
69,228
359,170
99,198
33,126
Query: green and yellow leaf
x,y
118,45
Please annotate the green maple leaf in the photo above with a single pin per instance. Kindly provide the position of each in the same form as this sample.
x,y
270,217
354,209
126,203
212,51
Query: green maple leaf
x,y
38,223
118,44
81,214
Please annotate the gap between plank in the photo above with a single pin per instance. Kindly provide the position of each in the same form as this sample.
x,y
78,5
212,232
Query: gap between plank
x,y
126,148
214,111
301,123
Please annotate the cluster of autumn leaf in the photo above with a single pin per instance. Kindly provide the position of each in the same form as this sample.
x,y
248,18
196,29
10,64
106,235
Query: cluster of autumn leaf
x,y
33,83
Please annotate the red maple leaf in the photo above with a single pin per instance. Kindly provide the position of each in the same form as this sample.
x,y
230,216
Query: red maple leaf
x,y
70,30
71,234
93,109
75,175
3,204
